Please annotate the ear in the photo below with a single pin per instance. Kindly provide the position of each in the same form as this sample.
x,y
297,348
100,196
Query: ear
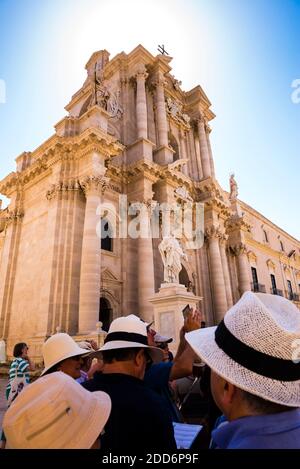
x,y
229,392
139,358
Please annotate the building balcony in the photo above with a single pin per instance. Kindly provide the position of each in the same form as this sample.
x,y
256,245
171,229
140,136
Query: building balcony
x,y
292,296
275,291
258,288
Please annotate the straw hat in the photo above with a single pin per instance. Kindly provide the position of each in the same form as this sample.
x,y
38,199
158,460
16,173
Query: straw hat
x,y
256,347
59,347
55,412
130,332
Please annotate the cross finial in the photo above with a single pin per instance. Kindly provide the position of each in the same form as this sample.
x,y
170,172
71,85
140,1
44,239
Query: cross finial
x,y
162,50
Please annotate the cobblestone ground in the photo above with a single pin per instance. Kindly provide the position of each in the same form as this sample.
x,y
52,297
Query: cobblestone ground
x,y
3,382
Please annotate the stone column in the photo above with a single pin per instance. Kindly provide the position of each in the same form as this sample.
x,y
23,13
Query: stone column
x,y
162,123
141,104
183,151
204,151
10,252
145,285
226,270
90,272
211,159
216,269
243,268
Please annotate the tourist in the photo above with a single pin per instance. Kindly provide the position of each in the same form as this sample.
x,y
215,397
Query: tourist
x,y
138,421
18,375
255,376
162,342
158,376
61,353
55,412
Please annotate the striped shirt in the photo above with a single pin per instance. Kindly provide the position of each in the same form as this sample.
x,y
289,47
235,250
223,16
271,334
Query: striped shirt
x,y
20,367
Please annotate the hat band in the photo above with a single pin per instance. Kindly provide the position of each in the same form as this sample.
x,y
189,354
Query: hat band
x,y
260,363
126,337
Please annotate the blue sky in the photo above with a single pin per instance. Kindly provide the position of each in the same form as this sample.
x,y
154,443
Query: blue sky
x,y
245,54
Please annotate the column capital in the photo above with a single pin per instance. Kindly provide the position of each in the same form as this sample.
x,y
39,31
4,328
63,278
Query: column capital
x,y
141,73
94,184
239,249
223,239
14,216
213,232
62,186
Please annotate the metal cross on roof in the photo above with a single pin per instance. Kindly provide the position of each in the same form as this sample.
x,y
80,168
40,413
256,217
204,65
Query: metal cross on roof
x,y
162,50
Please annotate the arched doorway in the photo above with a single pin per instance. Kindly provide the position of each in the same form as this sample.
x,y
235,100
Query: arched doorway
x,y
105,313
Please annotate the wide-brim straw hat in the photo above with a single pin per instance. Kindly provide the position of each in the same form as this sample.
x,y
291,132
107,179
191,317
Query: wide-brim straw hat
x,y
130,332
59,347
256,347
55,412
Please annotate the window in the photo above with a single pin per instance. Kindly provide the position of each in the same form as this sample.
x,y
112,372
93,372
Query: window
x,y
273,282
290,290
106,236
254,277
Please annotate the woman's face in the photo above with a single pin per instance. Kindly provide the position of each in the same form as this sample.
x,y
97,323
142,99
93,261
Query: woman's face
x,y
25,351
71,366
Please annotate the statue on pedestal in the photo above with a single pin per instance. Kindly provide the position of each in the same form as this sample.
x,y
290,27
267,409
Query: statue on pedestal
x,y
233,188
171,253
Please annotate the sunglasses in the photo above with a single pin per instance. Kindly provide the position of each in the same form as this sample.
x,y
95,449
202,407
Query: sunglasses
x,y
162,346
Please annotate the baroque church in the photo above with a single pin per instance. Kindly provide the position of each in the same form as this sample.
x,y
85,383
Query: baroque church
x,y
131,130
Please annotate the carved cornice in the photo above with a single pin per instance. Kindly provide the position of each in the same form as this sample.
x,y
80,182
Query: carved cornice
x,y
237,223
16,180
145,168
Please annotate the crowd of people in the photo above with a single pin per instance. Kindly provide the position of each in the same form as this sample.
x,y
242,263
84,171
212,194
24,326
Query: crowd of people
x,y
244,374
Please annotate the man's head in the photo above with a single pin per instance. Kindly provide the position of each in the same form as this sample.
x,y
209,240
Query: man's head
x,y
126,348
252,356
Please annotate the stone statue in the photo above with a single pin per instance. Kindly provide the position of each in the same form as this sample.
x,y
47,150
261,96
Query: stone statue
x,y
171,253
3,357
233,188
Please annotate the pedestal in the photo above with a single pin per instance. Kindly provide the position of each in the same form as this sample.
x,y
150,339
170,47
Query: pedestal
x,y
168,304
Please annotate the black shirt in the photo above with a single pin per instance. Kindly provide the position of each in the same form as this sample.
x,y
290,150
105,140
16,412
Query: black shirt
x,y
138,421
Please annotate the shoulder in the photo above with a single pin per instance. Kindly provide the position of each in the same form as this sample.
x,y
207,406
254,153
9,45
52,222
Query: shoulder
x,y
159,373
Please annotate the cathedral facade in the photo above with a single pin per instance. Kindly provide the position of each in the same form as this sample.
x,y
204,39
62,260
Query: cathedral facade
x,y
132,135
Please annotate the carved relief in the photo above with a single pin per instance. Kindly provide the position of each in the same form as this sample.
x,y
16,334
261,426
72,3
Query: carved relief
x,y
174,109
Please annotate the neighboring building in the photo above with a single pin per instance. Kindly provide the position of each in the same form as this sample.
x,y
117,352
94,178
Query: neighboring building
x,y
130,130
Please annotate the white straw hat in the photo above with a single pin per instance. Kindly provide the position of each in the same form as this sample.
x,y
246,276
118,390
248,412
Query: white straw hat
x,y
130,332
256,347
55,412
59,347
